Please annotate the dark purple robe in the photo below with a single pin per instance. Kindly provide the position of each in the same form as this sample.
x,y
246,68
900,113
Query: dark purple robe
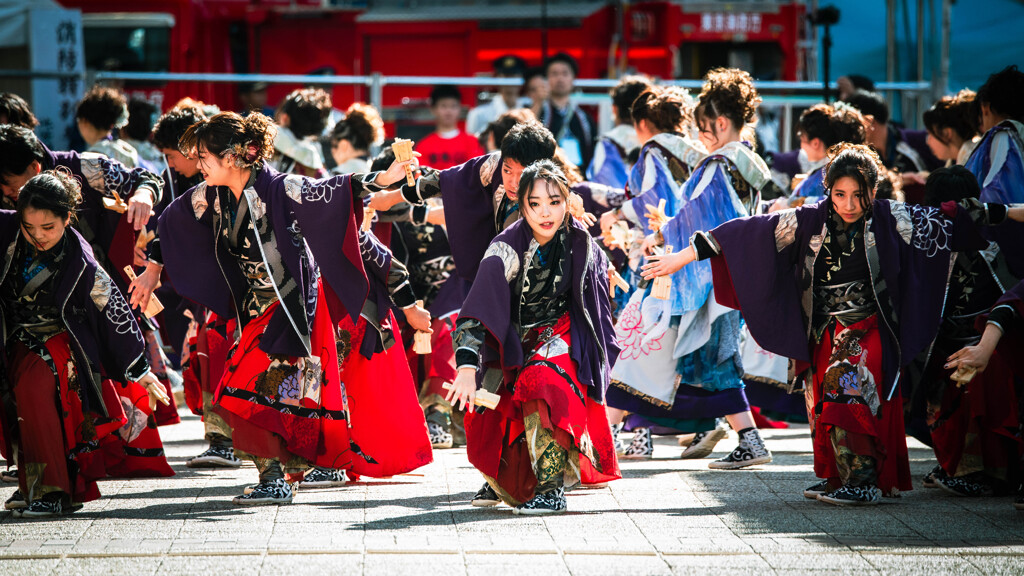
x,y
106,342
470,192
766,269
314,233
494,301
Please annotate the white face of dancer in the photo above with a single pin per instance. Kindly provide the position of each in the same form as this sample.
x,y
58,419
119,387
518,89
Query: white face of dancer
x,y
848,198
216,171
511,170
42,228
544,211
942,150
179,163
11,184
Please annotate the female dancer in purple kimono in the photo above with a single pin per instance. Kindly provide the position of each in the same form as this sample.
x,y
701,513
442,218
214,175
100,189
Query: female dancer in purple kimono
x,y
281,254
1002,335
65,322
536,328
852,289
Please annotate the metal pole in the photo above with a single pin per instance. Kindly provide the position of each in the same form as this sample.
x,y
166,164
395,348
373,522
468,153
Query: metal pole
x,y
920,40
890,40
543,30
826,47
377,91
947,17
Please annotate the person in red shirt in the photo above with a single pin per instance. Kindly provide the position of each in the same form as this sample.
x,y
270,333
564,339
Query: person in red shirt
x,y
448,145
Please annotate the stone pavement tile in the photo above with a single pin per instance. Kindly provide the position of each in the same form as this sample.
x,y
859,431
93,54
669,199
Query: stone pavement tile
x,y
20,529
719,563
227,565
390,564
515,564
920,564
111,565
832,561
996,565
808,544
278,564
498,544
27,567
610,565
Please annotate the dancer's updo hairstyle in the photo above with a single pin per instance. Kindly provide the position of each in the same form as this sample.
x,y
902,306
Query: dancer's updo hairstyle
x,y
54,190
667,108
249,140
727,92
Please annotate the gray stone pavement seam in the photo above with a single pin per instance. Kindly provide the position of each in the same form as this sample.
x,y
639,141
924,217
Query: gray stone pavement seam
x,y
639,529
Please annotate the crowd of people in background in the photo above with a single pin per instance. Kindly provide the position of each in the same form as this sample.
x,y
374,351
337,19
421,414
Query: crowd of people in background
x,y
522,285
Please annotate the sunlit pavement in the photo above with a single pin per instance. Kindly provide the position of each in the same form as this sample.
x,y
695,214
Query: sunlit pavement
x,y
665,516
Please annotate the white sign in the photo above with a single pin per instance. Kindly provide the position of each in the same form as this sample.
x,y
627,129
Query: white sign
x,y
55,45
730,23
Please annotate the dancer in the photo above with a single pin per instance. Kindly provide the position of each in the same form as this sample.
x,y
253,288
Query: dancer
x,y
353,136
1003,331
611,164
952,127
680,366
973,427
66,323
98,113
539,313
281,392
852,288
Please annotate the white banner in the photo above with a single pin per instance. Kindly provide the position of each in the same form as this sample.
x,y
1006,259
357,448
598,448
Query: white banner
x,y
55,45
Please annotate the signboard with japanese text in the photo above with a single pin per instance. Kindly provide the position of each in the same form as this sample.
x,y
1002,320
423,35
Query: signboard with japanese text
x,y
55,45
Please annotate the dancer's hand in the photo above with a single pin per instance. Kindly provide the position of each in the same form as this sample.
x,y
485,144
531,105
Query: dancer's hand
x,y
396,172
418,318
156,390
608,219
666,264
650,242
977,356
463,389
384,201
140,290
140,208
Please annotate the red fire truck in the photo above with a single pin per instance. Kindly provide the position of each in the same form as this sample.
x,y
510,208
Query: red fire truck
x,y
666,39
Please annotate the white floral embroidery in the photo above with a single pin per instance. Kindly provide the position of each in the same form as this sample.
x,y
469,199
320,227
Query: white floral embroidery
x,y
257,209
372,251
933,232
199,203
293,187
785,230
508,257
100,173
904,225
487,168
100,292
120,315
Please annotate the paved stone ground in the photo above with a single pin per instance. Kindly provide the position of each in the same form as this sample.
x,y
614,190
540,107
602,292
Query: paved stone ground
x,y
665,516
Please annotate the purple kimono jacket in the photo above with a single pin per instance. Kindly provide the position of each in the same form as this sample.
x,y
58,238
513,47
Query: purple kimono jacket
x,y
495,295
766,269
472,192
998,164
309,218
100,177
106,342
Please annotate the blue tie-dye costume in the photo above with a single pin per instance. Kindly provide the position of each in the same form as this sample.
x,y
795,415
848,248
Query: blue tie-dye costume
x,y
998,164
